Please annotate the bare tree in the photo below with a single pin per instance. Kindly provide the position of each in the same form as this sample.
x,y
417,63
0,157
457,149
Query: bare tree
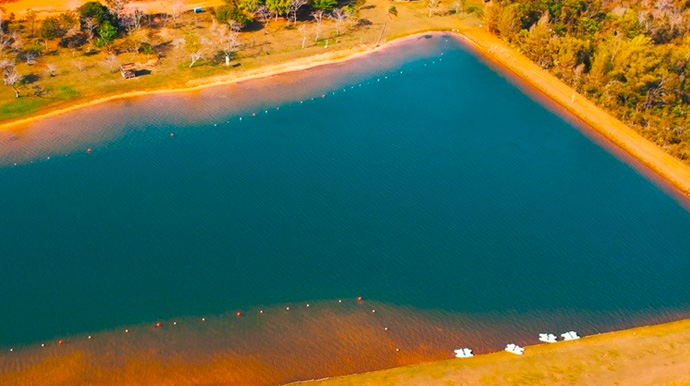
x,y
11,77
318,18
111,63
339,15
303,31
294,7
235,26
51,69
233,40
31,17
433,4
116,7
90,26
263,14
16,42
392,11
459,6
132,21
194,47
79,65
31,57
175,10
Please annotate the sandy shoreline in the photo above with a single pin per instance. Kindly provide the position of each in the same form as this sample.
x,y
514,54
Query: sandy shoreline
x,y
302,64
609,358
590,117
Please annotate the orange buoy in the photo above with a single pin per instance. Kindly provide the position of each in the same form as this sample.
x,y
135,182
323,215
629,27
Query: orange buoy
x,y
360,299
159,324
61,342
89,150
238,314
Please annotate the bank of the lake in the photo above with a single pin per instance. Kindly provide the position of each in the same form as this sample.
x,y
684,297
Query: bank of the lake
x,y
651,355
605,128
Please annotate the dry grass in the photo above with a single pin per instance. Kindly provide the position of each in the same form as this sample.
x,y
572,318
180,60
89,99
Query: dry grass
x,y
82,77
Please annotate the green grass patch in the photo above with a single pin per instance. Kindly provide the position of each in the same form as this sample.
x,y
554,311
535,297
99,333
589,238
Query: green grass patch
x,y
22,107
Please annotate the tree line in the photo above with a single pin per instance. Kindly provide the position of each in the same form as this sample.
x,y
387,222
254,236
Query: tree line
x,y
630,57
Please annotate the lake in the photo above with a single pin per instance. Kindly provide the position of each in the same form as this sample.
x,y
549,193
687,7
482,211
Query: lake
x,y
417,177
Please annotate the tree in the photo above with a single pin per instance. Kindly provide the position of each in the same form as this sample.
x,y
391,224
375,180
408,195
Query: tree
x,y
303,32
31,17
10,76
324,5
459,6
111,63
69,21
116,7
93,10
509,22
390,13
492,12
106,35
51,29
318,18
175,10
339,15
193,45
263,14
231,12
278,7
433,4
294,7
90,26
51,69
538,42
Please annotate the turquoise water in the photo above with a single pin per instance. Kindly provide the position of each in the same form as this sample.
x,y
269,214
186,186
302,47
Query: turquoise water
x,y
441,187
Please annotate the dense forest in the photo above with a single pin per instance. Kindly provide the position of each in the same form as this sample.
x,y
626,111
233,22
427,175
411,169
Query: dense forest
x,y
630,57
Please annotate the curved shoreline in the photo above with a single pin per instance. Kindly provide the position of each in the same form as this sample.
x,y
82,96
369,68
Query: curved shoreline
x,y
618,138
306,63
589,360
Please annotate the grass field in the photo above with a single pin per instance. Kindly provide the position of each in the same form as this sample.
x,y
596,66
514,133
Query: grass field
x,y
654,355
92,74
